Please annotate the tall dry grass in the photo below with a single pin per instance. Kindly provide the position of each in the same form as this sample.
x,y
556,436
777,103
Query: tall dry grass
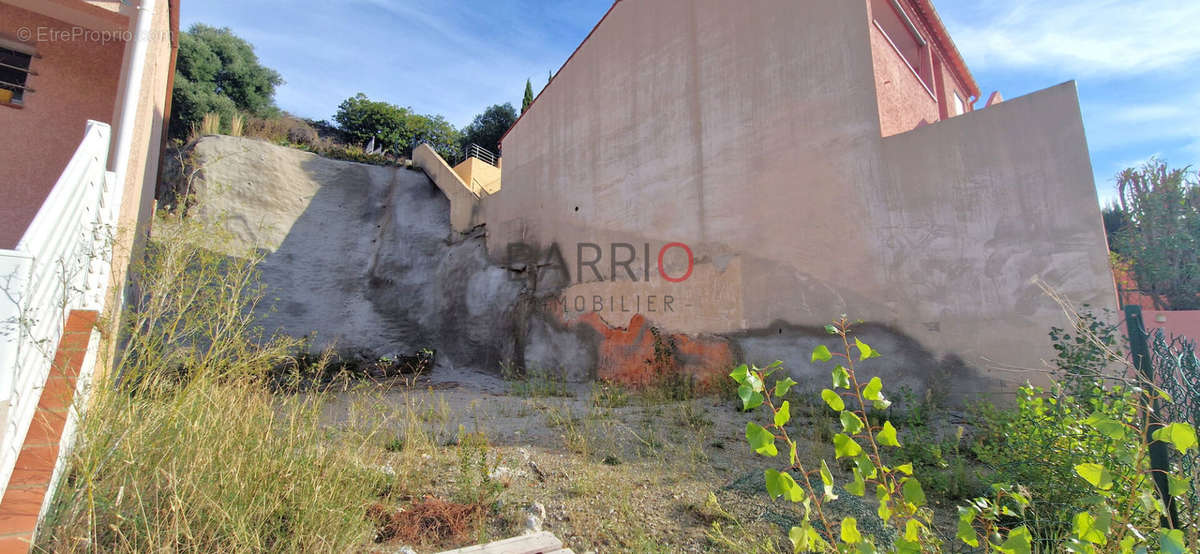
x,y
185,449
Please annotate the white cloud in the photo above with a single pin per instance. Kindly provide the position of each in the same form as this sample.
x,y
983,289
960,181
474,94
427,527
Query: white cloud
x,y
1091,38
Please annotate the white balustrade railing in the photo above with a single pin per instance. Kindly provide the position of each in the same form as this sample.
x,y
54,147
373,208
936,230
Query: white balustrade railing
x,y
62,263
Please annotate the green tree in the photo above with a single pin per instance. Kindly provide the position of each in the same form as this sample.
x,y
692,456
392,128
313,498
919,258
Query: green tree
x,y
1162,237
218,72
1115,220
528,100
489,127
395,128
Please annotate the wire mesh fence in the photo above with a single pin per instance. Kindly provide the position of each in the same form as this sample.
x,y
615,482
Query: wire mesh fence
x,y
1177,372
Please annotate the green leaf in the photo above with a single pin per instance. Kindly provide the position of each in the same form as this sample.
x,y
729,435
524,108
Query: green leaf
x,y
851,423
792,491
774,490
798,538
865,465
1182,435
873,389
740,373
1171,541
750,399
1107,426
784,385
874,392
887,436
966,531
792,453
833,400
1019,541
858,486
807,539
755,381
761,440
845,447
782,484
850,534
1095,474
827,481
831,329
912,530
864,352
885,499
821,354
1086,529
906,469
784,414
1178,486
912,491
841,377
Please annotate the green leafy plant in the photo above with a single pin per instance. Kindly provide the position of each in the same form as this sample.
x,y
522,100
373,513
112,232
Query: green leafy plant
x,y
1086,351
1124,512
1039,442
476,484
901,498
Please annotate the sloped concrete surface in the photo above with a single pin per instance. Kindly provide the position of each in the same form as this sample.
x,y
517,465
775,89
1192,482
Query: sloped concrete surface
x,y
359,257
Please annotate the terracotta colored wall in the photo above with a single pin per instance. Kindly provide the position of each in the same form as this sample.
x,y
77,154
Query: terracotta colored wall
x,y
1174,323
76,81
903,101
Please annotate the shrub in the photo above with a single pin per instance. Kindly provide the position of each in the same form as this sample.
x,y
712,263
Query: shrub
x,y
1040,441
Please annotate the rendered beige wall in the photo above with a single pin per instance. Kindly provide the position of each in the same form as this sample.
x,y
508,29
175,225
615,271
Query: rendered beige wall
x,y
479,174
137,204
464,200
757,141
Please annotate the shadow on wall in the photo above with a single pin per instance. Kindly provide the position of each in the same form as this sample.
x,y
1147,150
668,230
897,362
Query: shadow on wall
x,y
365,258
374,266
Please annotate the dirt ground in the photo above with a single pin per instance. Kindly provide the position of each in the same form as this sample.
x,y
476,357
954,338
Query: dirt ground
x,y
615,470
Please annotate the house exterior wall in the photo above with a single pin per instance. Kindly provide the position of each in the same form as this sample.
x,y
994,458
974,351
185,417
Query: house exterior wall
x,y
907,101
904,103
758,142
76,81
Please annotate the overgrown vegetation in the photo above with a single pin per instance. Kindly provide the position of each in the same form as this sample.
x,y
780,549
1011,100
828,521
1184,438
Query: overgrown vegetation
x,y
1155,227
1070,472
218,73
185,449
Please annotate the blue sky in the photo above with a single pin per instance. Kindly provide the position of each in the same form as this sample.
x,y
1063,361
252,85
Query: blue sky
x,y
1135,60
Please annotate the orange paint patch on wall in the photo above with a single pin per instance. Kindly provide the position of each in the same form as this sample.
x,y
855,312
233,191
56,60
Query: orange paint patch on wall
x,y
626,354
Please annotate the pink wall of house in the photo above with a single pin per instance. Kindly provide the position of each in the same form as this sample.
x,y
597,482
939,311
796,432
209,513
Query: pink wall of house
x,y
915,84
1174,323
76,81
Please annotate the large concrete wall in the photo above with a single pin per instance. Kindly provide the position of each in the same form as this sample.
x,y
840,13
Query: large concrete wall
x,y
757,142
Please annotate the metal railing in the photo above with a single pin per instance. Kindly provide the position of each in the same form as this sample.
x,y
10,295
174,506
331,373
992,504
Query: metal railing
x,y
62,263
480,153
